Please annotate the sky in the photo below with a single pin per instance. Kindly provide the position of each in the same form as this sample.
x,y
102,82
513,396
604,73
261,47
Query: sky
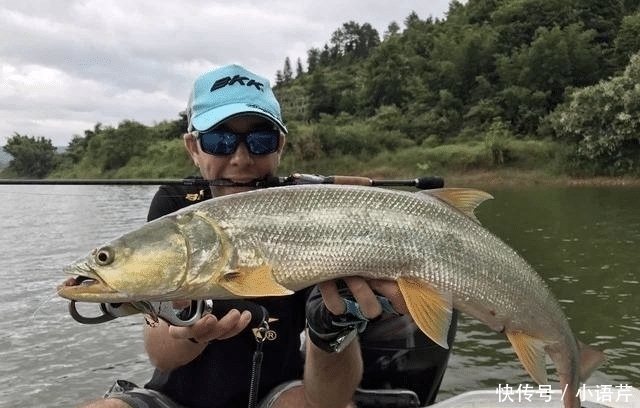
x,y
66,65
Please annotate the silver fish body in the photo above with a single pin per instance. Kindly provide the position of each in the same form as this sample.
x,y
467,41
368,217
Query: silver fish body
x,y
274,241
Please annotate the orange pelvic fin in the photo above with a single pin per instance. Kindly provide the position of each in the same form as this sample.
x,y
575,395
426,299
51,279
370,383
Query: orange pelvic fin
x,y
530,351
430,309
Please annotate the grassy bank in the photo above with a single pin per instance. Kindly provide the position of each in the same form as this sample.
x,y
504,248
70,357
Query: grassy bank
x,y
510,178
469,164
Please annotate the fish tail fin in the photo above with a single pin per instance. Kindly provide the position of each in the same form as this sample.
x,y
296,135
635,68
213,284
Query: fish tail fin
x,y
590,359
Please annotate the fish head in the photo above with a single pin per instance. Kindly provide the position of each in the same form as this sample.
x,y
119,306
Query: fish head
x,y
149,263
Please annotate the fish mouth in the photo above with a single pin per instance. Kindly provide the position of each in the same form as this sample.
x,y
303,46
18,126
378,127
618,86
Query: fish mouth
x,y
86,286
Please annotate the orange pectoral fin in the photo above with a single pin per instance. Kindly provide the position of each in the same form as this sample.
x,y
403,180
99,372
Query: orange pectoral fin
x,y
253,282
430,309
530,352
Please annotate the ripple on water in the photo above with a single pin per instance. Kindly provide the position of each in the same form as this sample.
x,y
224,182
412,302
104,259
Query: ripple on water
x,y
48,360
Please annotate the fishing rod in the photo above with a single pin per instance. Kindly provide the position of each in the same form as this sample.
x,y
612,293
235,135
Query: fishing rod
x,y
422,183
163,309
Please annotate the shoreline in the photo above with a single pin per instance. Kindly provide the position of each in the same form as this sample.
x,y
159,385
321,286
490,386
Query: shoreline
x,y
505,178
530,178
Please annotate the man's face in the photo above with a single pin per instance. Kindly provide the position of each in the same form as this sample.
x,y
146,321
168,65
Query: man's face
x,y
240,166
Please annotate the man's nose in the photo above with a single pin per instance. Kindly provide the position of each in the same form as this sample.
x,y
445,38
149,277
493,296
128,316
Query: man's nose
x,y
241,155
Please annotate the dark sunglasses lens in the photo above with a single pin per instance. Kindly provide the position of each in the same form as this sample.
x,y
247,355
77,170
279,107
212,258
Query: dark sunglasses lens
x,y
218,142
261,142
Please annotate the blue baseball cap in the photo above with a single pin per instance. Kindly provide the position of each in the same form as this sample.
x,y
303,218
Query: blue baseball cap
x,y
231,91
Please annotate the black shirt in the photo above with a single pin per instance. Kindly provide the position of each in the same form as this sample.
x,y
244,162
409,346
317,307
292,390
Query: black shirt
x,y
220,376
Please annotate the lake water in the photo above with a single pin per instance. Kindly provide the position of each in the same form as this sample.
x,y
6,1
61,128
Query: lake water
x,y
584,241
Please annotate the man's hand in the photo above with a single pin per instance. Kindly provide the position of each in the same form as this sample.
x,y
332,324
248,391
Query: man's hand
x,y
363,292
210,327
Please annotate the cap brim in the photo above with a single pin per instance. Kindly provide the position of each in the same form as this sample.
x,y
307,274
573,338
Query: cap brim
x,y
218,115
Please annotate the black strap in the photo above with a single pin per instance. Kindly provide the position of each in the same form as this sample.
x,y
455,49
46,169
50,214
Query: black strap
x,y
260,334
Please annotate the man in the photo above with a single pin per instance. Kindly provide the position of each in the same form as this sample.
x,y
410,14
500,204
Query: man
x,y
236,133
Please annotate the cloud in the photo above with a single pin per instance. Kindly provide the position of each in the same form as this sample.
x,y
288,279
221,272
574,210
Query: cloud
x,y
63,69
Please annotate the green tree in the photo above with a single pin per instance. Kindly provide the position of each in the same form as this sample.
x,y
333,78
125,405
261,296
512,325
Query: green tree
x,y
392,29
478,12
522,108
76,150
169,129
556,59
321,100
388,76
602,16
326,57
32,157
412,20
279,78
354,40
313,59
287,72
602,124
299,69
498,141
631,6
343,86
627,41
517,21
112,148
461,55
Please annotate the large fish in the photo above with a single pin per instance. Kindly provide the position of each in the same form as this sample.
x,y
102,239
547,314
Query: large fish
x,y
275,241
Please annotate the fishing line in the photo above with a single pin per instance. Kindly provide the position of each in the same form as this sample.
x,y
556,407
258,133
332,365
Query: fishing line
x,y
29,193
42,304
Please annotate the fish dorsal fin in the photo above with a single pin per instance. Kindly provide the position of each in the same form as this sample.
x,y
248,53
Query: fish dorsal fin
x,y
464,200
252,282
530,352
430,309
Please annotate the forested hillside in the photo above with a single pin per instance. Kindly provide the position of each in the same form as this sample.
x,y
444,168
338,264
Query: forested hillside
x,y
523,83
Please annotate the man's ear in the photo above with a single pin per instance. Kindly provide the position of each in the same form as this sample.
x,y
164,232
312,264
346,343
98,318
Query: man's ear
x,y
191,145
281,143
283,139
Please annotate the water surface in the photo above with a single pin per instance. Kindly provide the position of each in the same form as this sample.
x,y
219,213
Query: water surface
x,y
585,242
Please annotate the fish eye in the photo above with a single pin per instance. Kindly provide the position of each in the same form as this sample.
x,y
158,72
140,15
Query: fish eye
x,y
104,256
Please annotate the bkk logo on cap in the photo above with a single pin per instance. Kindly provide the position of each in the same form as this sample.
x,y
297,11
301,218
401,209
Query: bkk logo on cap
x,y
222,82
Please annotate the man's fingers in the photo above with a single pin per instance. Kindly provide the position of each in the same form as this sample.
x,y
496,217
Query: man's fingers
x,y
365,297
364,291
232,324
211,328
391,291
331,297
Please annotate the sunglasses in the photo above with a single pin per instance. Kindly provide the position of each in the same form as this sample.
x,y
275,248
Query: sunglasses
x,y
224,142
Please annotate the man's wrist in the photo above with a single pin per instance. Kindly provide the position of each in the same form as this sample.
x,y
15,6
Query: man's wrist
x,y
332,342
332,333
